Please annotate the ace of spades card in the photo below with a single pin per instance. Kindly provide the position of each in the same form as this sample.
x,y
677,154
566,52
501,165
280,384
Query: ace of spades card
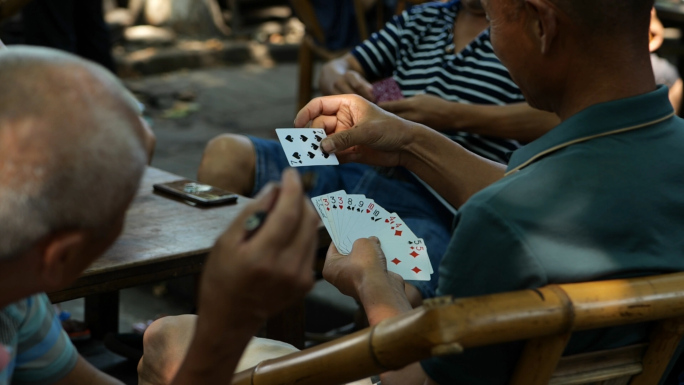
x,y
302,147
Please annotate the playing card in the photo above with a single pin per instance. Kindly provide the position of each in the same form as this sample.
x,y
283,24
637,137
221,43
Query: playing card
x,y
302,147
349,217
354,210
387,90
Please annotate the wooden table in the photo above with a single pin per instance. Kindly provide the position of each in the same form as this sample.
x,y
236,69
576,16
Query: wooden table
x,y
162,239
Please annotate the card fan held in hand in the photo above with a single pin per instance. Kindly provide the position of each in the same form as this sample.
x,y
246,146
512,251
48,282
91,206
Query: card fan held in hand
x,y
348,217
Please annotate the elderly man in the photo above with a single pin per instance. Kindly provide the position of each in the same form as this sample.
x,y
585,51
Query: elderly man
x,y
599,196
441,57
72,151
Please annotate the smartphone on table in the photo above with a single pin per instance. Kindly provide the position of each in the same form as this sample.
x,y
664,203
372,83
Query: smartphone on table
x,y
199,193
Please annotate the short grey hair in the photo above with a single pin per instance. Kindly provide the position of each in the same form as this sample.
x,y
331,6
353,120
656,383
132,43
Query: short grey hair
x,y
70,155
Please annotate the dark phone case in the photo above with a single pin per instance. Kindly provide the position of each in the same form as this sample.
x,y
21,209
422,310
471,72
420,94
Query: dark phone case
x,y
173,188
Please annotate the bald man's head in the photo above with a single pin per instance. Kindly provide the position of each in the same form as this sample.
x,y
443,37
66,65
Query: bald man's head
x,y
71,146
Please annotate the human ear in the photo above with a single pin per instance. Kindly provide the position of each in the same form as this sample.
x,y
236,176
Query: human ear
x,y
61,257
544,21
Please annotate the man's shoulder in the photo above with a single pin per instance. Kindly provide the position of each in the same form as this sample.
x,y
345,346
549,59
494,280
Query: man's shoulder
x,y
17,315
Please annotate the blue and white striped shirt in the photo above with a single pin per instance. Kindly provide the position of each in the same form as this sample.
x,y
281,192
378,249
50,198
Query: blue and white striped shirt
x,y
417,49
41,352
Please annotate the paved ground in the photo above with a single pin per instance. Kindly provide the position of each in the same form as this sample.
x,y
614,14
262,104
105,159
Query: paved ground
x,y
250,100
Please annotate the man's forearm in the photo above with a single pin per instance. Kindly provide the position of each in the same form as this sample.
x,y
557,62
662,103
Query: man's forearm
x,y
454,172
513,121
381,300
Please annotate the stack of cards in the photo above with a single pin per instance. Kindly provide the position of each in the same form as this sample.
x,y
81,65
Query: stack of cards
x,y
387,90
348,217
302,147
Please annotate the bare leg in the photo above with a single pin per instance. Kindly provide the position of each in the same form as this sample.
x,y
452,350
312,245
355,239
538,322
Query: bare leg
x,y
229,162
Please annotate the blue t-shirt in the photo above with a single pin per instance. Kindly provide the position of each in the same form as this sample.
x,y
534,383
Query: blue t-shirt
x,y
417,50
600,196
41,352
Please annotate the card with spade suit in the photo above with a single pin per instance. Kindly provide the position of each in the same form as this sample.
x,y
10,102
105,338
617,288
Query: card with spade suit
x,y
302,147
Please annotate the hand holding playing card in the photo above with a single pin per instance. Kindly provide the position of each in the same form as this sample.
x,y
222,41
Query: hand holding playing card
x,y
365,265
350,218
258,274
358,130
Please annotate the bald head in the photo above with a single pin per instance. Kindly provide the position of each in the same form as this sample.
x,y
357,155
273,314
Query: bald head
x,y
71,146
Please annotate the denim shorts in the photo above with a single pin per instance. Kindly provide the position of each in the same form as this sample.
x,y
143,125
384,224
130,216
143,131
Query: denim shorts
x,y
395,189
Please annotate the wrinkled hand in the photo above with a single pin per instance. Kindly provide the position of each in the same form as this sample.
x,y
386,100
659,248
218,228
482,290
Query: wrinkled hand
x,y
365,266
359,131
252,279
429,110
165,344
349,82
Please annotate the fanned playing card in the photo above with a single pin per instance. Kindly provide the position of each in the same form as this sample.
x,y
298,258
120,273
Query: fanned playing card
x,y
349,217
302,147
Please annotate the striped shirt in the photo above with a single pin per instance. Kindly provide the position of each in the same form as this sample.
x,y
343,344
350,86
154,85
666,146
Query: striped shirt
x,y
416,48
41,352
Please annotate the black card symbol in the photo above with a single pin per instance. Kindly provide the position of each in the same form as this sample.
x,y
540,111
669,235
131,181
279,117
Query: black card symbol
x,y
349,207
311,155
303,138
326,155
314,146
358,210
318,138
289,138
296,155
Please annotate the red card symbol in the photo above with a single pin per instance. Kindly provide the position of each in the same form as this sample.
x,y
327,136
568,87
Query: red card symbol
x,y
416,270
412,248
327,208
386,220
397,233
414,254
367,211
396,261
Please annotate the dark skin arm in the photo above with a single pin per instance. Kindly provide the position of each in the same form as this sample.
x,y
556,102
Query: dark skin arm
x,y
361,132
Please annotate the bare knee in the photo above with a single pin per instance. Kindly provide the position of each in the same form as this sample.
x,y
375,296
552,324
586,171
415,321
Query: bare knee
x,y
165,343
229,162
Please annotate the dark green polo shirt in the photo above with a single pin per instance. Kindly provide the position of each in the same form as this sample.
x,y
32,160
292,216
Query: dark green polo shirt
x,y
600,196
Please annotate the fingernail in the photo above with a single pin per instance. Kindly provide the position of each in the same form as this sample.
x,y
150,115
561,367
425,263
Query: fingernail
x,y
375,239
328,146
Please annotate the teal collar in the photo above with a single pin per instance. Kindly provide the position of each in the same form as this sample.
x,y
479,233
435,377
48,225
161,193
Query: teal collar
x,y
598,120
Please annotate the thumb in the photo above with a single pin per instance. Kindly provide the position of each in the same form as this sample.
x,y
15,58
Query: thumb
x,y
343,140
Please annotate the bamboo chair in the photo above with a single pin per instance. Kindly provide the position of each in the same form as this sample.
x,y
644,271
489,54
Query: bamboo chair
x,y
545,317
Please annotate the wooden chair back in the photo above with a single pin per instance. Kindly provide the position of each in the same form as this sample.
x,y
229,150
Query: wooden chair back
x,y
545,317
